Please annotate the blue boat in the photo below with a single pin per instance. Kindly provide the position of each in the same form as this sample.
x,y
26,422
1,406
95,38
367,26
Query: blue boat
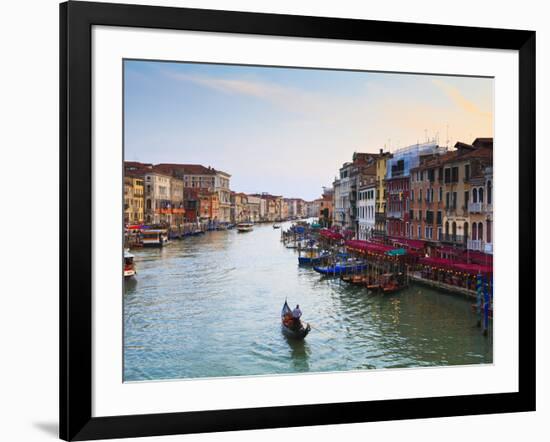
x,y
311,259
341,268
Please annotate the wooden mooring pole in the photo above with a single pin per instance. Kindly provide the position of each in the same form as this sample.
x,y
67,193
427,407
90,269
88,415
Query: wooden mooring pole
x,y
479,284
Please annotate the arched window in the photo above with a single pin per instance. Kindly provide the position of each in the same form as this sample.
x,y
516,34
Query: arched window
x,y
489,194
454,231
465,231
474,231
480,231
446,227
474,196
481,194
489,228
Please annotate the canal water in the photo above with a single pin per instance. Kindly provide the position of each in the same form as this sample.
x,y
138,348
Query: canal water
x,y
209,306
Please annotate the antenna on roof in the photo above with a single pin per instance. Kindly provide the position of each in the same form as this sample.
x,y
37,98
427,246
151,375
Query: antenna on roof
x,y
447,141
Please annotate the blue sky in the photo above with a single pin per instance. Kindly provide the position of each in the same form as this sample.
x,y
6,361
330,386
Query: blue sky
x,y
287,131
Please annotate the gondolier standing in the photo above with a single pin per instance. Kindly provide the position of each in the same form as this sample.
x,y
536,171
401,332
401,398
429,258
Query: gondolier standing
x,y
297,313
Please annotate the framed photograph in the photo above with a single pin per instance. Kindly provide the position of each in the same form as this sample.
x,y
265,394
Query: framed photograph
x,y
272,220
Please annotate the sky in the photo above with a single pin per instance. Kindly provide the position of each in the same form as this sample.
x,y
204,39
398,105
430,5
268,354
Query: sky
x,y
287,131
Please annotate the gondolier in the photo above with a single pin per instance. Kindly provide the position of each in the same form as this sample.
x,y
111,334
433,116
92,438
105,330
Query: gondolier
x,y
297,313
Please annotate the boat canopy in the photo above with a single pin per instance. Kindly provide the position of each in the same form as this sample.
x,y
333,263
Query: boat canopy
x,y
358,245
396,252
330,234
408,243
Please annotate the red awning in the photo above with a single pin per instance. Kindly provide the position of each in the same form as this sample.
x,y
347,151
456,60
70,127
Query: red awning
x,y
408,243
448,264
367,246
478,257
330,234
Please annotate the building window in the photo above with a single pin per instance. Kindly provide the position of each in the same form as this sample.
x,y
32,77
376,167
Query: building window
x,y
447,175
466,172
480,193
489,230
480,231
474,195
454,174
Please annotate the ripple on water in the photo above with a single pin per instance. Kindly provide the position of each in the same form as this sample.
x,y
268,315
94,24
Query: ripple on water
x,y
209,306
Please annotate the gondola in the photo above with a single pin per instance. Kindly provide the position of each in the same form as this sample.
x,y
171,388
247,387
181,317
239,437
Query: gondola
x,y
289,329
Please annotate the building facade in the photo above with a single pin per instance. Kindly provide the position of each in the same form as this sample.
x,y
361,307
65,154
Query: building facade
x,y
133,200
239,208
398,183
381,197
254,208
366,209
157,199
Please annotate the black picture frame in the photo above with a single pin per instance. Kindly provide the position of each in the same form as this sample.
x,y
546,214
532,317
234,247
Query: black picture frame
x,y
76,21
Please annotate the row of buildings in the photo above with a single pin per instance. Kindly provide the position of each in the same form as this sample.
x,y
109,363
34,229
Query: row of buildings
x,y
174,194
425,192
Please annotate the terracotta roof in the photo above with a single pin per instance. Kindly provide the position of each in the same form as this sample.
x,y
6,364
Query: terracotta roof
x,y
185,169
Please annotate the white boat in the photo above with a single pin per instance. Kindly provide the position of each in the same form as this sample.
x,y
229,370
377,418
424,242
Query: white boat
x,y
154,237
245,227
129,265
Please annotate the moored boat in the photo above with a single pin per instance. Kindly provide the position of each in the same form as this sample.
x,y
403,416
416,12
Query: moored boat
x,y
276,226
154,237
292,328
341,268
312,258
129,265
245,227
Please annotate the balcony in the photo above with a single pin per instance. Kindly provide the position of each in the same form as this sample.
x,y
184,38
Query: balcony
x,y
394,214
476,244
454,239
476,207
488,248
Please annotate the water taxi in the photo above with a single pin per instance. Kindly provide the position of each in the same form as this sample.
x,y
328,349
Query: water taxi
x,y
129,265
245,227
154,237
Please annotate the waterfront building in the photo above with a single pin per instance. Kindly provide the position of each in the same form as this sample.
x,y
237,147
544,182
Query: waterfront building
x,y
427,199
345,188
326,207
239,207
380,215
254,208
133,199
221,187
177,215
397,182
157,198
313,208
366,207
274,206
197,176
296,208
448,195
464,189
338,215
208,207
191,204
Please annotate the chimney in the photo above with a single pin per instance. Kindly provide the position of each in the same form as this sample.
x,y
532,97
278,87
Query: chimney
x,y
381,151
